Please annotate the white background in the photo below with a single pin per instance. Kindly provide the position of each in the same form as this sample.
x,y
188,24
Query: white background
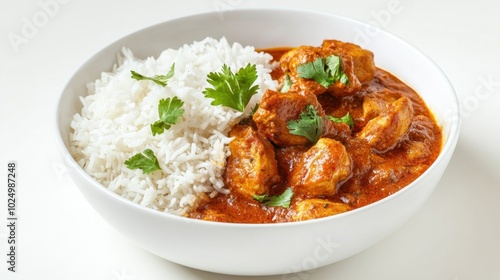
x,y
455,236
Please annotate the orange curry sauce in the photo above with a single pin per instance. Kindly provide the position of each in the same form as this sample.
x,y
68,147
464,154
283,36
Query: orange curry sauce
x,y
383,175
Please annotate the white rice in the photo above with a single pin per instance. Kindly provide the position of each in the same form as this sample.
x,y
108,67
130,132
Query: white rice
x,y
115,120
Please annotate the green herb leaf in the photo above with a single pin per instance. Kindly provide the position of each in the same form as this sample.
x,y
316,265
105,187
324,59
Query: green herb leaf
x,y
310,124
169,112
324,75
315,70
287,83
145,161
282,200
345,119
255,108
159,79
232,90
334,64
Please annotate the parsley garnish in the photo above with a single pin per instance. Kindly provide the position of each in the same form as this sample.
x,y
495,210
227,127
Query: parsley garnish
x,y
325,76
310,124
169,111
287,83
345,119
159,79
282,200
145,161
232,90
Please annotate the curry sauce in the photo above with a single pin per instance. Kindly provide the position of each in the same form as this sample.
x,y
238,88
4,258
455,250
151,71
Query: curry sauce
x,y
393,139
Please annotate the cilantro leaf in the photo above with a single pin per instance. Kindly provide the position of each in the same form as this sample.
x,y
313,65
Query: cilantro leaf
x,y
325,75
282,200
145,161
159,79
255,108
334,64
345,119
310,124
232,90
287,83
315,70
169,111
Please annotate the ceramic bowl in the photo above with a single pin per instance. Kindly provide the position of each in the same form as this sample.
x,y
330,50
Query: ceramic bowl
x,y
265,249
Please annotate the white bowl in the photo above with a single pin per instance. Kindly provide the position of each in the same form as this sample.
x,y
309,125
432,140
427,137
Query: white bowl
x,y
264,249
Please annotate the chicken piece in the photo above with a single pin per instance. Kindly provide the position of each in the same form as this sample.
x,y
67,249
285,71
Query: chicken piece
x,y
392,175
362,60
339,89
375,103
292,59
287,158
277,109
385,131
360,153
416,150
385,172
321,169
339,131
316,208
420,135
252,167
422,130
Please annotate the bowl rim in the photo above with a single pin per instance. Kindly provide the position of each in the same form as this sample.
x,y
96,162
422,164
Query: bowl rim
x,y
448,144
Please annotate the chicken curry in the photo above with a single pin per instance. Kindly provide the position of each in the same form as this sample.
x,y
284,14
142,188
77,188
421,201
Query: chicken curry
x,y
338,134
